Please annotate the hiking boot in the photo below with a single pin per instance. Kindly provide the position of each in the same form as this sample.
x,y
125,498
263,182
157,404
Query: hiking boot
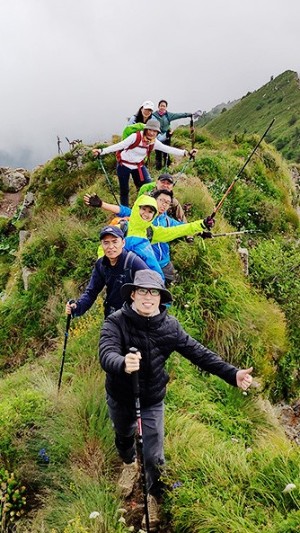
x,y
153,514
128,477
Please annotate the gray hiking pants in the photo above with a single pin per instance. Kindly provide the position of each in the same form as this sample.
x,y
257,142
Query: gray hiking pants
x,y
124,423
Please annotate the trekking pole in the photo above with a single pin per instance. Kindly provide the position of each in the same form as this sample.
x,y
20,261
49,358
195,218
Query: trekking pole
x,y
216,209
209,235
191,160
101,166
69,317
136,392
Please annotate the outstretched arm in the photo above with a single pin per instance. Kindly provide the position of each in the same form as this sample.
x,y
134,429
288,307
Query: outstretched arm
x,y
161,234
93,200
172,150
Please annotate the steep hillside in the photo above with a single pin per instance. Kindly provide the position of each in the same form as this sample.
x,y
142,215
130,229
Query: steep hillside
x,y
229,461
279,98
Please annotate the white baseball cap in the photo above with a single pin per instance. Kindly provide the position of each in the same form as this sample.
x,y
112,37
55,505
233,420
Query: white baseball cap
x,y
148,105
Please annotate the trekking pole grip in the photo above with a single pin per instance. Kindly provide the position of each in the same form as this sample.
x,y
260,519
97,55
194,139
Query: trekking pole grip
x,y
135,376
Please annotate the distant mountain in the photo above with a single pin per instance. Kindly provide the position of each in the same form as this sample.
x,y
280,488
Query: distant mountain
x,y
207,116
279,99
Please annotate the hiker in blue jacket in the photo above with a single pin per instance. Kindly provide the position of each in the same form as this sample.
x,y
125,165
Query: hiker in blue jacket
x,y
141,230
165,118
162,249
116,267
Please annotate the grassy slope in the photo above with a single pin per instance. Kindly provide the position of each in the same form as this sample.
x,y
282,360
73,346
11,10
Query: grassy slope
x,y
228,453
279,98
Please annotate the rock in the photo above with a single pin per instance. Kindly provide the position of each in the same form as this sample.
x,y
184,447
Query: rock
x,y
290,420
28,201
245,259
72,199
23,236
26,272
13,180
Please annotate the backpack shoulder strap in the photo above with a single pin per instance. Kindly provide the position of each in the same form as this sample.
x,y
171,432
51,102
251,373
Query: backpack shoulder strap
x,y
128,263
133,145
136,142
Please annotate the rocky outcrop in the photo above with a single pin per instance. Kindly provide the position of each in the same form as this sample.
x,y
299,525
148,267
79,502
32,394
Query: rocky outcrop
x,y
12,183
13,180
289,418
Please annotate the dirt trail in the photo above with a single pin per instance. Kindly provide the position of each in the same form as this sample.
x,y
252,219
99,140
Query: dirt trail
x,y
9,203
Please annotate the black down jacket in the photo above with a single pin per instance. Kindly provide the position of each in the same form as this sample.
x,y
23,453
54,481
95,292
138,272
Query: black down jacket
x,y
156,338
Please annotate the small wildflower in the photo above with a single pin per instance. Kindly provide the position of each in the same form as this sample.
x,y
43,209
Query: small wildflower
x,y
94,514
176,484
43,457
122,510
186,306
289,487
122,520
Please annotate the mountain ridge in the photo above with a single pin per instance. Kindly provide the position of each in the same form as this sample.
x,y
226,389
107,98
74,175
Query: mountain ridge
x,y
279,99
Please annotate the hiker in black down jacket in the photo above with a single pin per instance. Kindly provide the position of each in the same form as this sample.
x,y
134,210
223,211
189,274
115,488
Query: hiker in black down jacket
x,y
143,323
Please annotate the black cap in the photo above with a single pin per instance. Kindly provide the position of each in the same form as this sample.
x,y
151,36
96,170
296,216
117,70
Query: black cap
x,y
111,230
166,177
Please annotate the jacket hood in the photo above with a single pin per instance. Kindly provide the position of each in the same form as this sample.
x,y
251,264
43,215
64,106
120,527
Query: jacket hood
x,y
137,226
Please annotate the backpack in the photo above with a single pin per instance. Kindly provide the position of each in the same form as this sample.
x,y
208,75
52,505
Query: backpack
x,y
134,145
122,223
132,128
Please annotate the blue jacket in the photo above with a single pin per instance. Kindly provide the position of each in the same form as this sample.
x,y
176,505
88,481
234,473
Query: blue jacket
x,y
137,238
113,277
162,249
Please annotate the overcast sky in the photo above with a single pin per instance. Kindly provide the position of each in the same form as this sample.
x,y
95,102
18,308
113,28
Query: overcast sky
x,y
78,68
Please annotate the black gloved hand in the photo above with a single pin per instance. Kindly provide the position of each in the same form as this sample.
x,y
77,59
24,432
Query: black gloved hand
x,y
192,154
209,222
206,235
94,201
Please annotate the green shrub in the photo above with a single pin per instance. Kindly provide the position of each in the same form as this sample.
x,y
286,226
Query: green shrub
x,y
209,166
292,120
274,268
